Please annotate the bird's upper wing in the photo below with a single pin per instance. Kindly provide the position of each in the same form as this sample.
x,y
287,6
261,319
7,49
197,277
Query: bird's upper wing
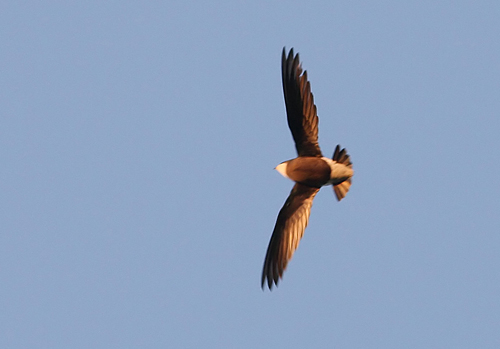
x,y
290,225
300,108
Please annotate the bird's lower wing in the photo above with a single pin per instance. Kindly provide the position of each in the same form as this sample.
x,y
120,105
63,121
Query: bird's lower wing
x,y
290,225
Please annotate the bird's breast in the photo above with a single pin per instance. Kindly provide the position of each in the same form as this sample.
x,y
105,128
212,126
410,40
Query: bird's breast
x,y
311,171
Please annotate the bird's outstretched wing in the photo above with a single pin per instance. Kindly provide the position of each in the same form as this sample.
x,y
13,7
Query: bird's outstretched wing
x,y
290,225
300,108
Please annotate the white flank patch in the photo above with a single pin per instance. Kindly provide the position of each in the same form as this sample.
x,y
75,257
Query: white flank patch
x,y
338,171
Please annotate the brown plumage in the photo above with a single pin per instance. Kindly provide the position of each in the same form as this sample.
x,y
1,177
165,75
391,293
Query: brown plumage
x,y
300,108
310,170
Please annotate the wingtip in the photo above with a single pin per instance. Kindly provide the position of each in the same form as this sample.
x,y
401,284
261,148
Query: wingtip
x,y
290,55
267,280
268,284
269,277
263,281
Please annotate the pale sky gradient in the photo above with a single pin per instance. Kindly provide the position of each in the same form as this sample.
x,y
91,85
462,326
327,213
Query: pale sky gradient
x,y
138,196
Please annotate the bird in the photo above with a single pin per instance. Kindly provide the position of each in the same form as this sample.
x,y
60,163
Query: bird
x,y
310,170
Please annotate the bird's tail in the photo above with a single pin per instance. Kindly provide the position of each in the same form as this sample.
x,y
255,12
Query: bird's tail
x,y
342,157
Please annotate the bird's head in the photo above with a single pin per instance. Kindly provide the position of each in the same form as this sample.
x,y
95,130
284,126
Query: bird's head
x,y
281,168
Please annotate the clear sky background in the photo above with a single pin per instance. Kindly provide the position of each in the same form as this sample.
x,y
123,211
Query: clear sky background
x,y
138,196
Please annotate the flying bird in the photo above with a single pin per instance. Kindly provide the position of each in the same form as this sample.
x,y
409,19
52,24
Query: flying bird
x,y
310,170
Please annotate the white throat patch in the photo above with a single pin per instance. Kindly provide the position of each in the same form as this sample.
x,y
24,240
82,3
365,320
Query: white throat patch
x,y
281,168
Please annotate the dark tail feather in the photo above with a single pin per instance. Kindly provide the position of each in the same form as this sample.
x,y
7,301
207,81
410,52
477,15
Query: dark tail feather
x,y
342,157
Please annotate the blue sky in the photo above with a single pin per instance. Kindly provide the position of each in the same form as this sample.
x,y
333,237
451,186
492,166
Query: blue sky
x,y
138,141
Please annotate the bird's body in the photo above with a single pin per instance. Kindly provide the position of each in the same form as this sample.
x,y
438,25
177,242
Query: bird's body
x,y
315,171
310,170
